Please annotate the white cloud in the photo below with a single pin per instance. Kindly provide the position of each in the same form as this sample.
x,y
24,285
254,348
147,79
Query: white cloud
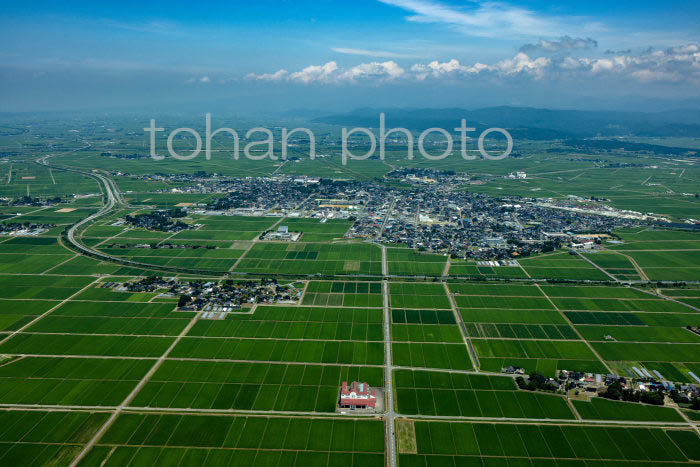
x,y
684,49
279,75
446,69
603,64
674,65
370,53
563,44
649,76
202,79
569,63
382,71
485,19
523,63
314,73
331,73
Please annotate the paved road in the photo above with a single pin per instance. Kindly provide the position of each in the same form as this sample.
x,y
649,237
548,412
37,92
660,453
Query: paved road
x,y
386,219
670,299
103,429
385,264
597,267
113,199
463,329
185,411
578,333
388,387
640,271
554,421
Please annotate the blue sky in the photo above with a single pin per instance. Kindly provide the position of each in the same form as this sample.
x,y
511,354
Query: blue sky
x,y
283,54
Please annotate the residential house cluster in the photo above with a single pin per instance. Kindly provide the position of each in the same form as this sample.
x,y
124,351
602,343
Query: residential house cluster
x,y
219,297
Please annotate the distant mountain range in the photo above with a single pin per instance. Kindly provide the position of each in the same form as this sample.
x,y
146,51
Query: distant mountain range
x,y
531,123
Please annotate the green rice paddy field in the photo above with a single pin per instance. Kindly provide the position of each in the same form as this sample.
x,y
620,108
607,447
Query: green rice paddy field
x,y
496,444
239,440
260,387
585,328
472,395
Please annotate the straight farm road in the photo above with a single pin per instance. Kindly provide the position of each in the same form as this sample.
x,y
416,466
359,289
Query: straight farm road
x,y
103,429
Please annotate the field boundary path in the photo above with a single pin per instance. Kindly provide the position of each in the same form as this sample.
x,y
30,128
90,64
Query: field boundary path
x,y
385,264
388,387
103,429
597,267
666,297
640,271
446,269
462,329
47,312
568,321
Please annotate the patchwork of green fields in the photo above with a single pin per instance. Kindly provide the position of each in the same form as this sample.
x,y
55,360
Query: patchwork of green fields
x,y
251,386
418,295
467,442
278,350
660,254
306,323
560,266
239,440
313,230
312,258
45,438
405,262
471,395
260,387
70,381
350,294
293,358
604,409
431,355
531,326
33,255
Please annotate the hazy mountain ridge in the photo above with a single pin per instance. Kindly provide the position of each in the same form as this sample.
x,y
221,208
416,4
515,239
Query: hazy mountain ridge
x,y
539,123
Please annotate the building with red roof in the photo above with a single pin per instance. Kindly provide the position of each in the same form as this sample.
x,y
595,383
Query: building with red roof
x,y
357,396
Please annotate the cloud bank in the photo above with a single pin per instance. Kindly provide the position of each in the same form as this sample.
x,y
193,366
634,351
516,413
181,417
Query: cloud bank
x,y
563,44
679,64
370,53
331,73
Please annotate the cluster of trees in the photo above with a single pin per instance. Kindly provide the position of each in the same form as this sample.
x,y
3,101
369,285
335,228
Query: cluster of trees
x,y
535,382
159,220
680,398
14,226
420,172
233,200
32,201
235,290
616,392
124,156
183,300
614,145
170,246
249,196
550,245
